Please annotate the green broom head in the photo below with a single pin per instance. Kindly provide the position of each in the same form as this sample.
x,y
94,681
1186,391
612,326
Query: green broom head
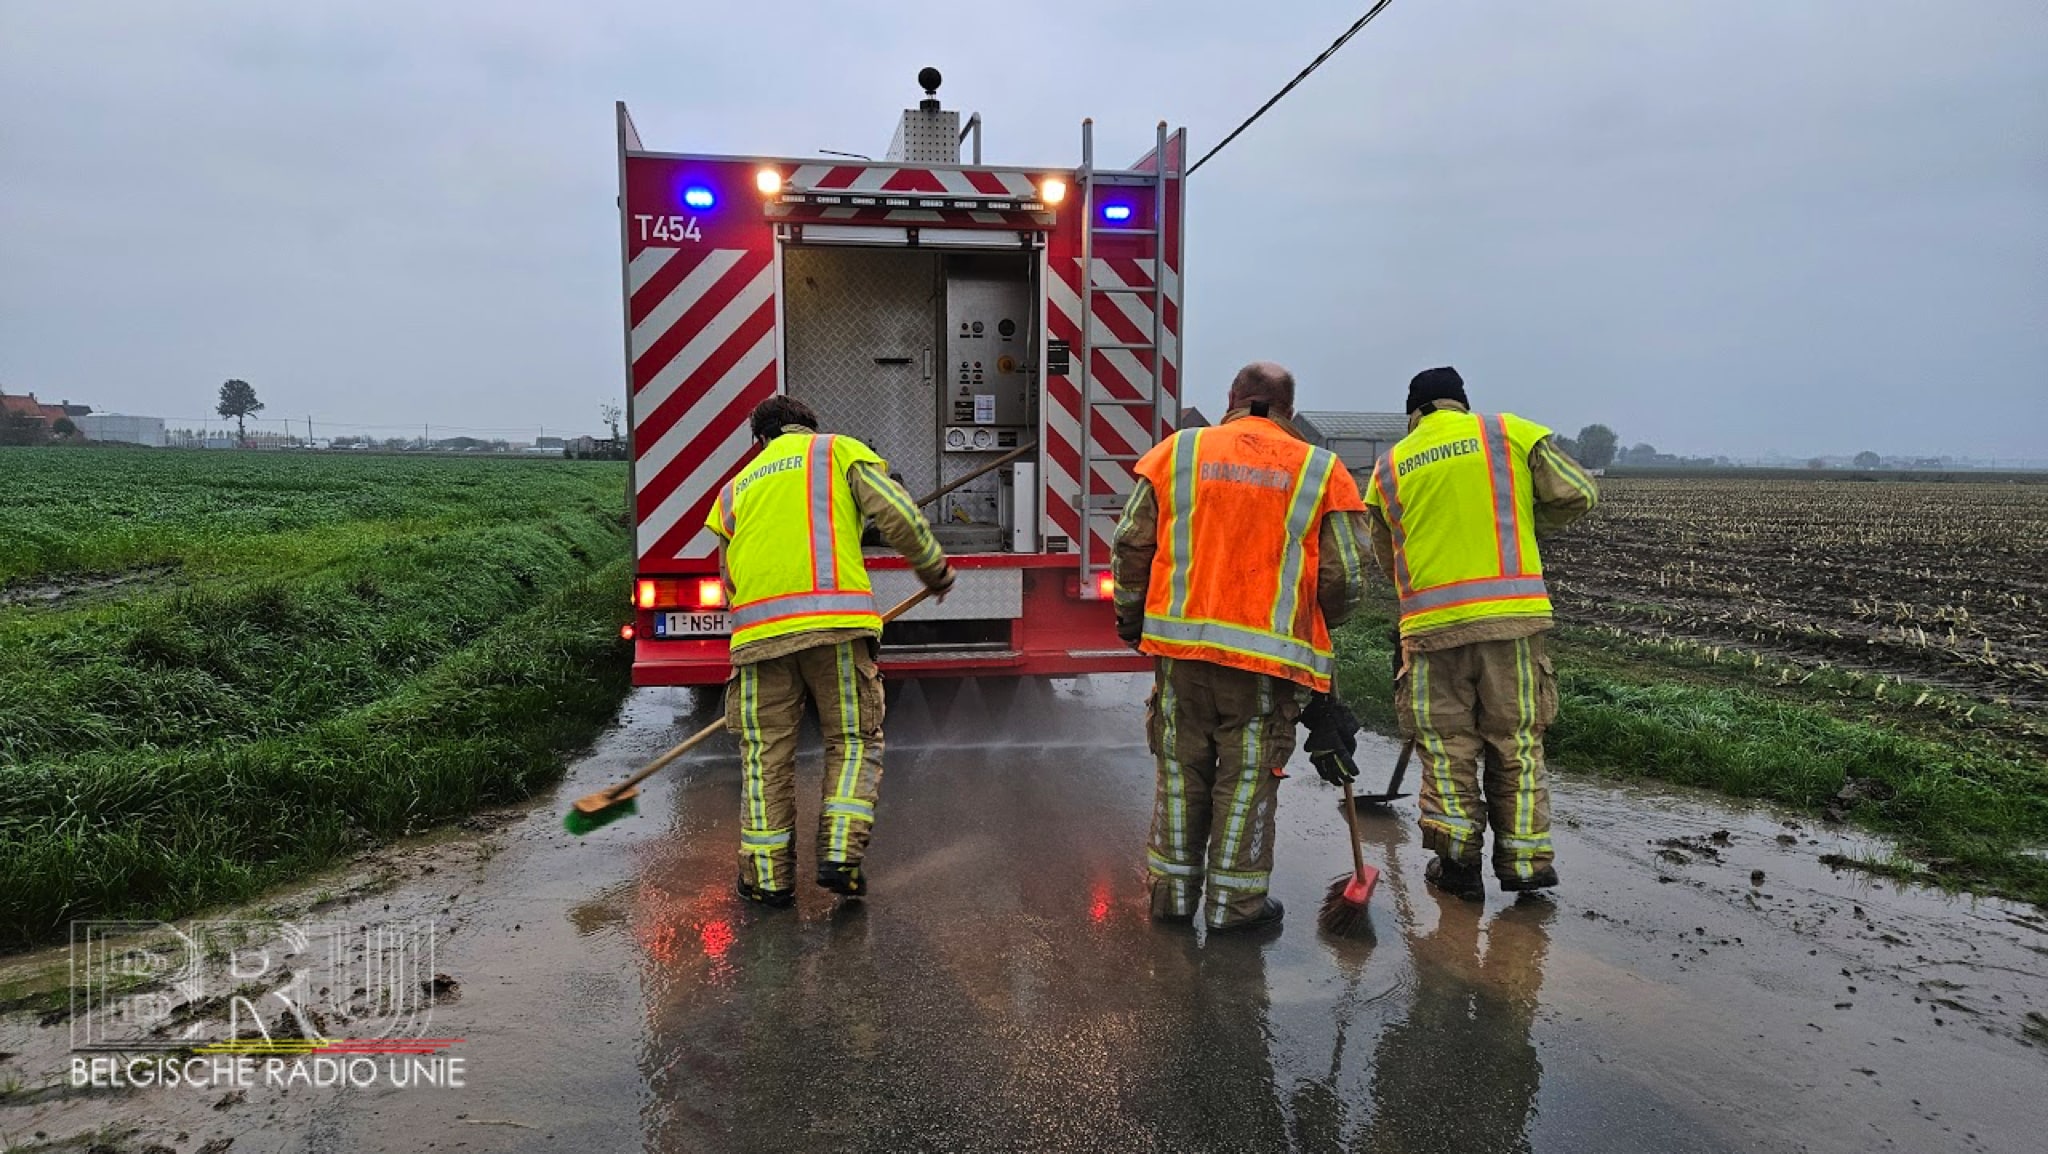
x,y
579,823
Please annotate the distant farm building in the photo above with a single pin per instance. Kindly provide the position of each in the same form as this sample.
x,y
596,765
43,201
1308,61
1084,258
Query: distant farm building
x,y
24,420
122,428
1358,439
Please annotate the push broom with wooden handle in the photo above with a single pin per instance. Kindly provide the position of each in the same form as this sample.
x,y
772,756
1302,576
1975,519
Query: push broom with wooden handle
x,y
594,811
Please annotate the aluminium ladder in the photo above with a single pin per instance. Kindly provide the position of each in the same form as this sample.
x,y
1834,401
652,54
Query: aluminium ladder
x,y
1105,509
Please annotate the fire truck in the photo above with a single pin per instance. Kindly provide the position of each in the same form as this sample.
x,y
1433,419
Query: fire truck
x,y
1007,338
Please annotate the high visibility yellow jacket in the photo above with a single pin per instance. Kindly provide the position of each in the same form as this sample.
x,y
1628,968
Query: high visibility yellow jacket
x,y
792,529
1460,502
1234,578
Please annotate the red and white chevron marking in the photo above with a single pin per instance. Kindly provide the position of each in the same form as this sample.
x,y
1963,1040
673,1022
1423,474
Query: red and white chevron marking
x,y
890,178
1120,374
703,355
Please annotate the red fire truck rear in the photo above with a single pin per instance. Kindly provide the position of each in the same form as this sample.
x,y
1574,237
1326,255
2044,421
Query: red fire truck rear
x,y
953,317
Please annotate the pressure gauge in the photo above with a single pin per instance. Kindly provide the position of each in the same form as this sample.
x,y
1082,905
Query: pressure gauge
x,y
956,438
984,438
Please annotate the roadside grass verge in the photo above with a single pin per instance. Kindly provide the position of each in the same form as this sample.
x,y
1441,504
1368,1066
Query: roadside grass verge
x,y
1965,806
156,833
342,651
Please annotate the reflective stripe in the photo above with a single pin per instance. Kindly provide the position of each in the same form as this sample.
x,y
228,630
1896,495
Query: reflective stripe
x,y
1569,470
801,604
1384,473
1477,589
849,807
856,747
1125,596
726,519
824,527
1249,772
753,768
764,838
1342,532
928,553
1500,473
1526,747
1257,881
1174,778
1436,759
1186,449
1309,490
1165,868
1254,642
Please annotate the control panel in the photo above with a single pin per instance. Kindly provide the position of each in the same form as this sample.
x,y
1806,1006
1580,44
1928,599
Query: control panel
x,y
987,366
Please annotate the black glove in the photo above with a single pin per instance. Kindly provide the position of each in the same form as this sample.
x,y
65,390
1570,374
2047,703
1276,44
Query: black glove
x,y
1130,630
1332,738
943,583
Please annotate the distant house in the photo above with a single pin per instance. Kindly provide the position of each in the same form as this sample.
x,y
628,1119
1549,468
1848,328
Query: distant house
x,y
1192,418
1358,439
26,420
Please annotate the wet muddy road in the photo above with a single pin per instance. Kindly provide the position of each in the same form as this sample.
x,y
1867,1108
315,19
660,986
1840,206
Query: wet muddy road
x,y
1004,990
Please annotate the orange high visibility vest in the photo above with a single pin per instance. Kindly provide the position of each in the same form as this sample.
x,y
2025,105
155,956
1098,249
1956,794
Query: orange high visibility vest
x,y
1458,497
1234,579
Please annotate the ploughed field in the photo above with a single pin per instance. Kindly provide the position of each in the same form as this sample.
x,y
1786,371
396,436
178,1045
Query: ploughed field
x,y
1941,584
218,670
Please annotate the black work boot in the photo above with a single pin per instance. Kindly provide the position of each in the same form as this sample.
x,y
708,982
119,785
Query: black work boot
x,y
1267,916
1542,879
778,899
847,878
1456,878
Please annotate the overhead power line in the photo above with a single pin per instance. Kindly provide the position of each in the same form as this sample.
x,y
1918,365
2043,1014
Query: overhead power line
x,y
1364,20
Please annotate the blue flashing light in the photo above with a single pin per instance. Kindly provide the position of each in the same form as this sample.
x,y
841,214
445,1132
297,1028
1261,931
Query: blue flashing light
x,y
1116,212
697,196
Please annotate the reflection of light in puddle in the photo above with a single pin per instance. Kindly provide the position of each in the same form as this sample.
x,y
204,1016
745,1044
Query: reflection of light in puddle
x,y
660,941
1098,908
718,938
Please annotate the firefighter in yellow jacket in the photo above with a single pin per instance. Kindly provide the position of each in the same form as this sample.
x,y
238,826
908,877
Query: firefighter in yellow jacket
x,y
1456,508
806,627
1236,552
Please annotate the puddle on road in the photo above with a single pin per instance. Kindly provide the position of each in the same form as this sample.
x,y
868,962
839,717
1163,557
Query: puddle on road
x,y
1005,990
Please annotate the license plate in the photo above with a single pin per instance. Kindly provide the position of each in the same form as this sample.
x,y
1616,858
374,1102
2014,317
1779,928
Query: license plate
x,y
692,624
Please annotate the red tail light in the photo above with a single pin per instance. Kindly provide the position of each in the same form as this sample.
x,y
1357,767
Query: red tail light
x,y
679,593
1105,585
625,633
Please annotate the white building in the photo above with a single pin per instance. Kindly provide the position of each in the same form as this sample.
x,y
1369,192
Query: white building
x,y
121,427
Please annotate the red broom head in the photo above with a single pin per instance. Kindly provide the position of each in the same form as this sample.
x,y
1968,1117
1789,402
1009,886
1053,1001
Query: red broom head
x,y
1359,889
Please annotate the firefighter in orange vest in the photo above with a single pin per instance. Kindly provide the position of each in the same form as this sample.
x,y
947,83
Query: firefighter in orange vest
x,y
1238,549
805,626
1456,508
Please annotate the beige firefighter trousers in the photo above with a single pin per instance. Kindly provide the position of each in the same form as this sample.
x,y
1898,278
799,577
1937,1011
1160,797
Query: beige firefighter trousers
x,y
1220,737
764,705
1490,701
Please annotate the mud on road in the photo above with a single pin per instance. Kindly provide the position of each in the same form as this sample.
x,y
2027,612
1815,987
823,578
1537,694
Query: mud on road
x,y
1701,983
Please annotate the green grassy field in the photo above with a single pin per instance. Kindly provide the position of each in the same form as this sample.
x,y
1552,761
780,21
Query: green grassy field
x,y
220,670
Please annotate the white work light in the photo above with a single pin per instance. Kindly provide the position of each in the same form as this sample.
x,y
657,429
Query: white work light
x,y
768,181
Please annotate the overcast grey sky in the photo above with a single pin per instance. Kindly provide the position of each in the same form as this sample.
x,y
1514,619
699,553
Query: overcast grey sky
x,y
1738,227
